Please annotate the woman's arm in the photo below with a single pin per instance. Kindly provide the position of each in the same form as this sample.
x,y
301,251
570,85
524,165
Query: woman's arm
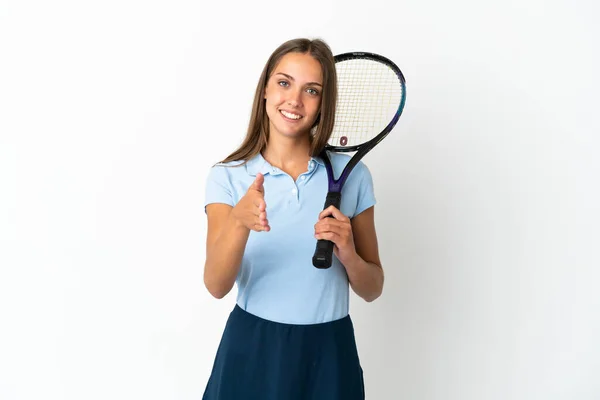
x,y
365,272
356,248
225,243
228,231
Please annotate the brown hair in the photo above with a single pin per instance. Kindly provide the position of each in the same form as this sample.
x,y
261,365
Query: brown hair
x,y
258,128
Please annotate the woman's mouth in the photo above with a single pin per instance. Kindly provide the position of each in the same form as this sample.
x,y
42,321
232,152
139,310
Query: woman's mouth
x,y
290,116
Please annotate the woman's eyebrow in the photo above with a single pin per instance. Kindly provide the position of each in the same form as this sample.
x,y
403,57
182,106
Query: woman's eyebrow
x,y
291,78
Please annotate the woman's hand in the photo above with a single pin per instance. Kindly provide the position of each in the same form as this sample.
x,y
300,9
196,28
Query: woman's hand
x,y
336,227
251,210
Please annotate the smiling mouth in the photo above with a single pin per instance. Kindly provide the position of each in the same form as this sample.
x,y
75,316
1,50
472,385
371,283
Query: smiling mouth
x,y
290,115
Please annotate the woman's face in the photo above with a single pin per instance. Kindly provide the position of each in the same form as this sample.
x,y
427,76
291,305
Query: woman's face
x,y
293,95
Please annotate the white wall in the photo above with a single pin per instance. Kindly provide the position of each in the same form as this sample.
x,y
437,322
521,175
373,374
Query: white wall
x,y
111,114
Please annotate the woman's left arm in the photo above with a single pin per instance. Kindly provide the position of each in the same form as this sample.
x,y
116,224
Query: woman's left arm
x,y
356,247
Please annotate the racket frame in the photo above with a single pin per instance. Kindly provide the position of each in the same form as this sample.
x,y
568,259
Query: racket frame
x,y
323,256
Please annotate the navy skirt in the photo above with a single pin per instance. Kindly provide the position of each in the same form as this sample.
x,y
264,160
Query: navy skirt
x,y
259,359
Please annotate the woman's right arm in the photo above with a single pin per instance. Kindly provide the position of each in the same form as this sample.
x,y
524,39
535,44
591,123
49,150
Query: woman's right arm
x,y
228,231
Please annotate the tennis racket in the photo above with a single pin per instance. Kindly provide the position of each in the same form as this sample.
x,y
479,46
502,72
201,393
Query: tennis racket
x,y
371,96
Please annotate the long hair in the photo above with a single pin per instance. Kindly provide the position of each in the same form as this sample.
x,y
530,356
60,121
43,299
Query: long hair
x,y
258,128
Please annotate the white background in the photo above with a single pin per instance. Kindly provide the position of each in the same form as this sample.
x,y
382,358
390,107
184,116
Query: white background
x,y
111,114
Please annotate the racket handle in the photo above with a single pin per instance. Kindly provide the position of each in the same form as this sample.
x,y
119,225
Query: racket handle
x,y
323,256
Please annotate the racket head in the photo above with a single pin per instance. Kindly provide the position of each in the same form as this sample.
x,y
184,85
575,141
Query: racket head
x,y
371,97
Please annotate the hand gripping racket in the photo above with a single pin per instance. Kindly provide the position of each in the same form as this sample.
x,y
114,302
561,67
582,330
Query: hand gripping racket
x,y
371,96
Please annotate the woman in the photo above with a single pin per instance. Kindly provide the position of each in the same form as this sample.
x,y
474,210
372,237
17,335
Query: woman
x,y
290,335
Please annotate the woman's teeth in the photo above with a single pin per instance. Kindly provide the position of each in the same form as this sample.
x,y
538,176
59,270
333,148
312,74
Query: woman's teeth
x,y
290,115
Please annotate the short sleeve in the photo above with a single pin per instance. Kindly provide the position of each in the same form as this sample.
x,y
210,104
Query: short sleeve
x,y
218,187
366,192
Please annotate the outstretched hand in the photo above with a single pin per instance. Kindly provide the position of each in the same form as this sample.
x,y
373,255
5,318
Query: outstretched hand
x,y
251,210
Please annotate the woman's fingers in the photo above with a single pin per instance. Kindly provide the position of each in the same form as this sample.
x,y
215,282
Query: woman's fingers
x,y
331,211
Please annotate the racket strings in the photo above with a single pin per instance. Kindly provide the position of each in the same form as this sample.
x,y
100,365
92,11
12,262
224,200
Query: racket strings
x,y
369,94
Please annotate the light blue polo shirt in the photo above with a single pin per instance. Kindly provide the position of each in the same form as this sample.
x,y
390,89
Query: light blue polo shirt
x,y
277,280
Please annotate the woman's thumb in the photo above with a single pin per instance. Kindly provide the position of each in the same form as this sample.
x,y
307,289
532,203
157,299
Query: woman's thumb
x,y
258,182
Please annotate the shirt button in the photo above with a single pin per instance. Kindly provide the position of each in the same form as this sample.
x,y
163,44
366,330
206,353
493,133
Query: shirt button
x,y
302,177
294,190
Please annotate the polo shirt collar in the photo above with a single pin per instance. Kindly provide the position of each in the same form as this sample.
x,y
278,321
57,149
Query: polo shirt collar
x,y
259,164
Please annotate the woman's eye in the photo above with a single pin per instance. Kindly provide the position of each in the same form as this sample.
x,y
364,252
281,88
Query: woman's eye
x,y
312,91
283,83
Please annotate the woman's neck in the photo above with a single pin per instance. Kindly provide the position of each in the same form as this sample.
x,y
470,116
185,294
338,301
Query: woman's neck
x,y
291,158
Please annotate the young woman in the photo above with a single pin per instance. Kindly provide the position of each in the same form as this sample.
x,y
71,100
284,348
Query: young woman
x,y
290,335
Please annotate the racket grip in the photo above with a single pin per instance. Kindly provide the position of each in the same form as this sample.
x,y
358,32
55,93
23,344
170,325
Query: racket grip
x,y
323,256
